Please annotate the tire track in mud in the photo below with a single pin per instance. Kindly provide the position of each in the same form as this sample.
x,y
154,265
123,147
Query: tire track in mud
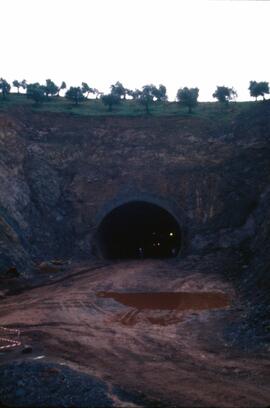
x,y
66,320
6,305
28,288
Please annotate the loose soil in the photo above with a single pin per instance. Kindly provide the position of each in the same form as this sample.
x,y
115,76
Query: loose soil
x,y
150,327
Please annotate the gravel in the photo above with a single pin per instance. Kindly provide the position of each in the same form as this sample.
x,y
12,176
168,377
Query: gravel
x,y
36,384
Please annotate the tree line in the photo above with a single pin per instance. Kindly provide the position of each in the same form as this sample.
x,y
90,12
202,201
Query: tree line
x,y
145,96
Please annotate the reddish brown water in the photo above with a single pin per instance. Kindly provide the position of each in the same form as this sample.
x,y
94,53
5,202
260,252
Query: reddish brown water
x,y
177,358
170,300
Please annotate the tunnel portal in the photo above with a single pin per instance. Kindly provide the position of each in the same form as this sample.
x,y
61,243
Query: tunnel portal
x,y
139,229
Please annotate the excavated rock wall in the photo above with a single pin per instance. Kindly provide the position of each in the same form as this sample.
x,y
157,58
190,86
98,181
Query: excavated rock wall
x,y
60,174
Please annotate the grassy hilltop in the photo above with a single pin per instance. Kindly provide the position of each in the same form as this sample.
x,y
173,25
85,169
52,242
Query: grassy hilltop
x,y
94,107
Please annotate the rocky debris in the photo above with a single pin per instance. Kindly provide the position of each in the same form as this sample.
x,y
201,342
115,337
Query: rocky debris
x,y
12,272
27,349
36,384
10,286
49,267
4,261
3,293
58,261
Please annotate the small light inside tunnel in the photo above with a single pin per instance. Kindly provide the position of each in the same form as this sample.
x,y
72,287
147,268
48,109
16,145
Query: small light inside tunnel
x,y
138,230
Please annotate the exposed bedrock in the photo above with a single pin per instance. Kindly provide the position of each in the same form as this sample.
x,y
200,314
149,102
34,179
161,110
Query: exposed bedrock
x,y
61,174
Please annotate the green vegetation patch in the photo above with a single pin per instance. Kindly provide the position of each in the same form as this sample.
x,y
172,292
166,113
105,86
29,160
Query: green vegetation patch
x,y
95,107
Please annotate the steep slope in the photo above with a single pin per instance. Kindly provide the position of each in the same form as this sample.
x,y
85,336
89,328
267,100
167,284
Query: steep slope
x,y
61,174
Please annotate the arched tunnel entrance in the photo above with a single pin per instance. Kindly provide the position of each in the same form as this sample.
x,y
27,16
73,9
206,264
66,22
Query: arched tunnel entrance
x,y
139,229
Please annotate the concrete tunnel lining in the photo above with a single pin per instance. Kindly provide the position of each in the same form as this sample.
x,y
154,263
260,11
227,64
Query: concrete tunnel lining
x,y
138,229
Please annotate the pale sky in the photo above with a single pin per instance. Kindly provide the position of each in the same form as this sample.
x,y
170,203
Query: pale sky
x,y
171,42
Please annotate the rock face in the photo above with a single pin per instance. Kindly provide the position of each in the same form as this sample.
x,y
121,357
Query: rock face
x,y
61,174
35,384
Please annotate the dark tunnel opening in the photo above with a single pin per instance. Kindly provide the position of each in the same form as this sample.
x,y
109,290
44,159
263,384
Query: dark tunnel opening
x,y
139,230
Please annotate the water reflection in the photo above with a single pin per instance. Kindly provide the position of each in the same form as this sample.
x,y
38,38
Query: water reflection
x,y
166,304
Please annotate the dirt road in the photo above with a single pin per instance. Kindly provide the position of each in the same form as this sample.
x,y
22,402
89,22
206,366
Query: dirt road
x,y
175,354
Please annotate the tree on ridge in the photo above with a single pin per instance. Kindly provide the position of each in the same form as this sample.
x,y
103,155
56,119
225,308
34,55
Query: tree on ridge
x,y
160,93
258,89
86,89
36,92
119,90
224,94
110,100
61,87
50,88
4,87
17,84
188,97
75,94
